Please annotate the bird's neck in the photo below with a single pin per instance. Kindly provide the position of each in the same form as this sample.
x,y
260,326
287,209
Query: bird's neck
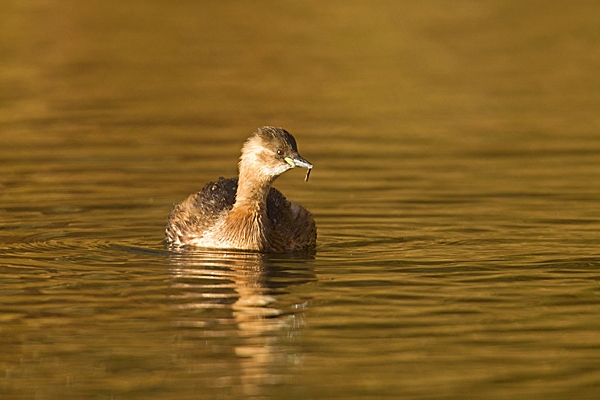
x,y
247,223
253,189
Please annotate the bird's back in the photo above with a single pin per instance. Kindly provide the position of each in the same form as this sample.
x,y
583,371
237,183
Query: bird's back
x,y
290,226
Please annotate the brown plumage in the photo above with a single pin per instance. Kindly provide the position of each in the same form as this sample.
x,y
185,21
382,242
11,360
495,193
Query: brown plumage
x,y
246,212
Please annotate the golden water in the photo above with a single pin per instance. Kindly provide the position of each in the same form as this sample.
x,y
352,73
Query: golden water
x,y
456,190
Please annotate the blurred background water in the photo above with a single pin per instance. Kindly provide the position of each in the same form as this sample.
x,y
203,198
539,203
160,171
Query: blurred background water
x,y
456,192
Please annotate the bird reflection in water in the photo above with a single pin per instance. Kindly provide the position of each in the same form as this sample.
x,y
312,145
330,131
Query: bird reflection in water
x,y
246,296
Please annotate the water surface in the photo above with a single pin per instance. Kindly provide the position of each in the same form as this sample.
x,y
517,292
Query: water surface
x,y
455,191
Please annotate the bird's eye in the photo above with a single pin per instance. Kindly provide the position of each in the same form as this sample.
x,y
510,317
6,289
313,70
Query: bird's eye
x,y
279,152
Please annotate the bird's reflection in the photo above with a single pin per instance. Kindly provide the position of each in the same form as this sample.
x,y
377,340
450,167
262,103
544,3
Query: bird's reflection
x,y
247,296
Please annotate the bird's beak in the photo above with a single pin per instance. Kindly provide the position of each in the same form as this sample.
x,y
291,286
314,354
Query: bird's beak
x,y
298,162
301,163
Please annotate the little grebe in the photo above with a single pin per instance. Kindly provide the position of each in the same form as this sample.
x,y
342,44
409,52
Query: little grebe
x,y
246,212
